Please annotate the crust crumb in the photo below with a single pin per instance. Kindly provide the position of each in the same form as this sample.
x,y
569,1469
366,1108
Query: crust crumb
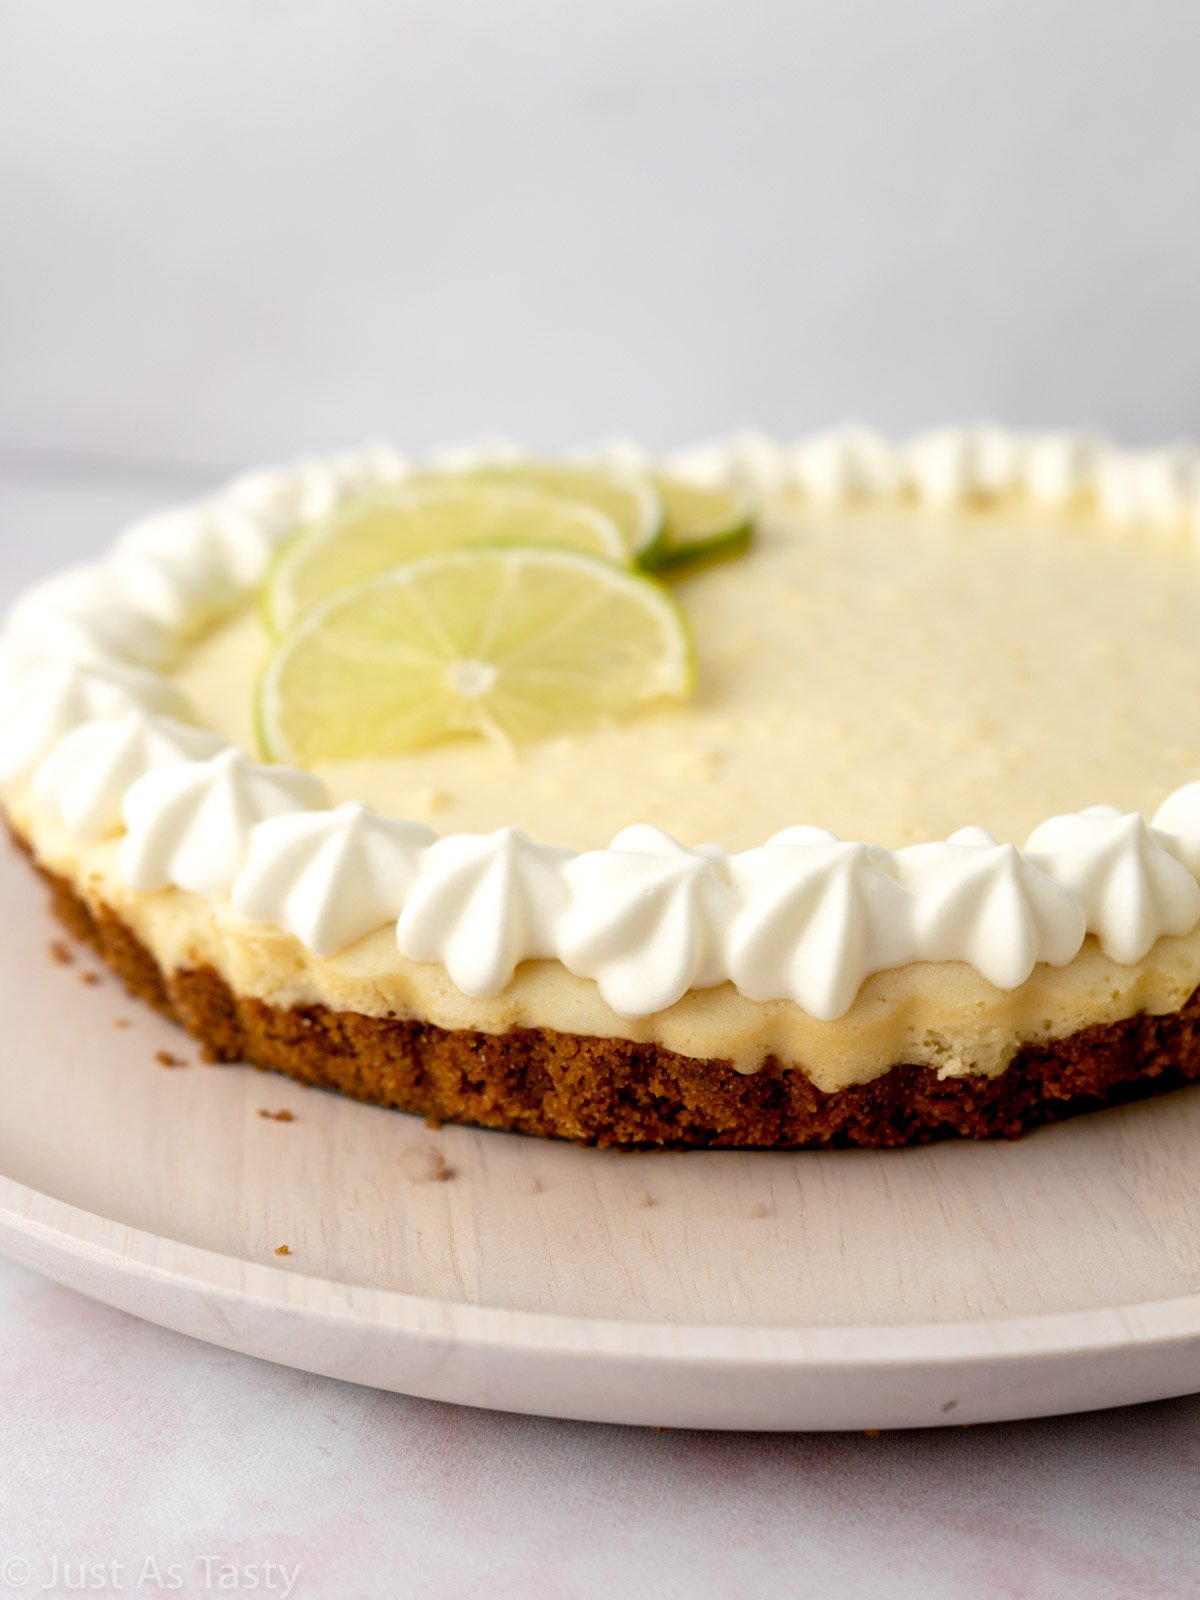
x,y
283,1249
122,1022
166,1059
873,1433
422,1165
434,1124
90,978
646,1201
61,953
276,1116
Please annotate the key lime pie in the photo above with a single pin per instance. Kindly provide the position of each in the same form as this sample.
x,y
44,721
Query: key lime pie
x,y
832,792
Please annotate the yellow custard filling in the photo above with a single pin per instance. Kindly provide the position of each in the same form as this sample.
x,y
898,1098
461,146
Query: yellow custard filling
x,y
890,674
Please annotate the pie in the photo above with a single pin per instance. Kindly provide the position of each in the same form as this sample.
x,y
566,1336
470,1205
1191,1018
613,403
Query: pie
x,y
915,854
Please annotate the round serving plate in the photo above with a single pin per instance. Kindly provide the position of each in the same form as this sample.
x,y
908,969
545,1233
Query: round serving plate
x,y
960,1283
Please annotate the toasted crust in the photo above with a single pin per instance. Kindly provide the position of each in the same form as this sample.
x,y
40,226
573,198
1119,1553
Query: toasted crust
x,y
619,1093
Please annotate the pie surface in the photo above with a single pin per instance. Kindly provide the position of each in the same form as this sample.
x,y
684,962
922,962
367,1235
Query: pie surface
x,y
888,675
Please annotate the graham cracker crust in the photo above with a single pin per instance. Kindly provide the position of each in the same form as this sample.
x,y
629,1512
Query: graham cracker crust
x,y
614,1092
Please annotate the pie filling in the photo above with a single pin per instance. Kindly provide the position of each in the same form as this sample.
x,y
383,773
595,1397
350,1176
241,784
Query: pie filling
x,y
886,674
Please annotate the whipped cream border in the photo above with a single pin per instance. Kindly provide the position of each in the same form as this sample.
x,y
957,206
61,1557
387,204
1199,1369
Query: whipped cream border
x,y
92,727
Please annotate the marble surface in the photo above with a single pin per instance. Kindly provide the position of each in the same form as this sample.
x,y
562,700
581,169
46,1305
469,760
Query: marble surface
x,y
191,1468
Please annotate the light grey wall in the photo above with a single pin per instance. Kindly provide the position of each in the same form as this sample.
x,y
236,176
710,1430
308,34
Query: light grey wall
x,y
233,228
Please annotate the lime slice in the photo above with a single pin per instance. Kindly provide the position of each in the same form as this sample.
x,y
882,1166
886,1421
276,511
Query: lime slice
x,y
368,534
628,497
516,641
700,523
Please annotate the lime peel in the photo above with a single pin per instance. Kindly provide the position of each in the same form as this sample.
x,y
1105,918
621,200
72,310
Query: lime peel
x,y
701,523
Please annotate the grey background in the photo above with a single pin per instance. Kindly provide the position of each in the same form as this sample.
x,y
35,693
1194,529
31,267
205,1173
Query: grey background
x,y
238,228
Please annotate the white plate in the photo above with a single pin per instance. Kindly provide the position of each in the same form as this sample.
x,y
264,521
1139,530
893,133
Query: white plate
x,y
961,1283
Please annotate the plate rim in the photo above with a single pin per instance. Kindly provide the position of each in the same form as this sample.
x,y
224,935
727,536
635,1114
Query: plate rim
x,y
27,1216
